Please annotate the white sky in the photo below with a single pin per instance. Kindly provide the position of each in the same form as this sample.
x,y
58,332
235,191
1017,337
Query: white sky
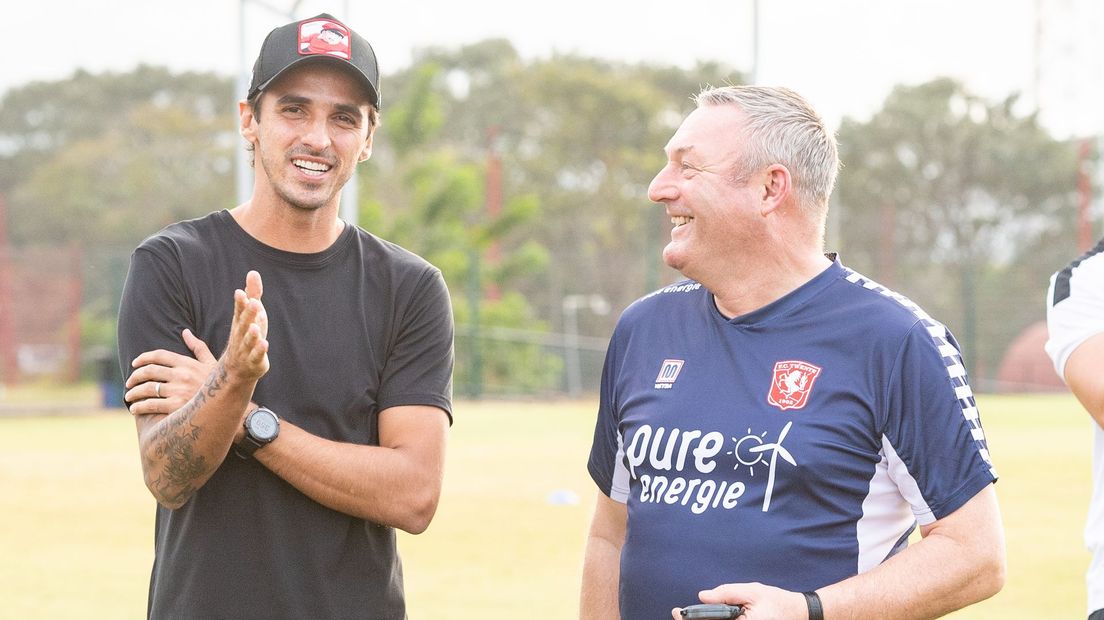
x,y
844,55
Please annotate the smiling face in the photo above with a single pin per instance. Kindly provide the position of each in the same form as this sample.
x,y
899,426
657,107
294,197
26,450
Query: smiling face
x,y
712,204
311,129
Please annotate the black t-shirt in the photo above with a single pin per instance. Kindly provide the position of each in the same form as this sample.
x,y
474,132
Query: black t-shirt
x,y
357,328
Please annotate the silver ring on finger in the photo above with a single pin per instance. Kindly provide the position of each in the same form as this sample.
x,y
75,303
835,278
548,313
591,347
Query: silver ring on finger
x,y
157,389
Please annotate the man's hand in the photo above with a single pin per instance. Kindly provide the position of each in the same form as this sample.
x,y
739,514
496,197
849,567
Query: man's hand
x,y
163,381
246,354
181,447
760,602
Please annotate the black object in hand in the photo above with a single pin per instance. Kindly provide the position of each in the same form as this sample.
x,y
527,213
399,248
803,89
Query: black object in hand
x,y
712,612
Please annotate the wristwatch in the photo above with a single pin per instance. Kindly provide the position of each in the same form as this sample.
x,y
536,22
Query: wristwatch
x,y
261,428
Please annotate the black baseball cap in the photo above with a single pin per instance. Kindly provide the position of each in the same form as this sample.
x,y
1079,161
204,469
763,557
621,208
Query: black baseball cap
x,y
319,38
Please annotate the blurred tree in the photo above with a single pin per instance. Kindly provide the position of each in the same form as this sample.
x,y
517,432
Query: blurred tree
x,y
142,149
435,199
136,150
105,160
164,165
584,135
587,136
944,196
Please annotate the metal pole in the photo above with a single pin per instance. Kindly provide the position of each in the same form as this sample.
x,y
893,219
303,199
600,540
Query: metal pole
x,y
349,194
571,305
754,77
243,174
9,348
475,295
349,197
1084,197
571,343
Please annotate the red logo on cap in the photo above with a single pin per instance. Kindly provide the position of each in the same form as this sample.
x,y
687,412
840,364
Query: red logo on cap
x,y
791,384
324,36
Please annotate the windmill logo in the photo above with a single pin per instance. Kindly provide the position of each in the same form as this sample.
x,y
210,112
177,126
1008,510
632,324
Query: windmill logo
x,y
776,450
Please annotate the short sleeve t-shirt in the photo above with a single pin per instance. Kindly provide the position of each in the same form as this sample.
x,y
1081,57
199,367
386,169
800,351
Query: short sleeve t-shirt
x,y
1075,313
796,446
355,329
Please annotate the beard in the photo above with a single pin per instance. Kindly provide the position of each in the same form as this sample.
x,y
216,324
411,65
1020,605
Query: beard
x,y
304,195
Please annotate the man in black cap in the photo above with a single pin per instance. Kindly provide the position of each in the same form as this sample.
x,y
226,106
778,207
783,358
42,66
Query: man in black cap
x,y
283,456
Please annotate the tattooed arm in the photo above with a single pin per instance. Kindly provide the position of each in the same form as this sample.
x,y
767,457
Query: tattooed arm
x,y
181,450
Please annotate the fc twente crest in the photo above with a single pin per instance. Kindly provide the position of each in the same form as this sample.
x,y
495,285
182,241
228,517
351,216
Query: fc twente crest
x,y
792,382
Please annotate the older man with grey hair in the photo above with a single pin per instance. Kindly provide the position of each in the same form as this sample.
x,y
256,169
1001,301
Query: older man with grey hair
x,y
772,429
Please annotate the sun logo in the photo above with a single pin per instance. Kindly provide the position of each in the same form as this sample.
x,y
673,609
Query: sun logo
x,y
745,453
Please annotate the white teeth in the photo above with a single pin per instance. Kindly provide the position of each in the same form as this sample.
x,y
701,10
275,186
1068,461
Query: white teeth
x,y
679,220
310,166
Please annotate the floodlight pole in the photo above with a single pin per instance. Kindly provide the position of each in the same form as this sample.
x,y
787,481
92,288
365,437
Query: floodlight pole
x,y
243,176
754,77
243,172
571,305
349,194
1085,235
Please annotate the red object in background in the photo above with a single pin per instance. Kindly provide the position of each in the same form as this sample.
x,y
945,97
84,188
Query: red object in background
x,y
9,362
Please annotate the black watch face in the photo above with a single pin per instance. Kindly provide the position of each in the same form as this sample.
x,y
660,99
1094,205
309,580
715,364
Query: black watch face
x,y
263,425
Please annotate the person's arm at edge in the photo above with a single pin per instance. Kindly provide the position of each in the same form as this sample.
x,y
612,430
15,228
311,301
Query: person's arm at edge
x,y
181,450
397,483
1083,375
959,561
410,507
598,598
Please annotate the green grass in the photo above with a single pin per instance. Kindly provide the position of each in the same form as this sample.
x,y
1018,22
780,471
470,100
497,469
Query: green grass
x,y
77,525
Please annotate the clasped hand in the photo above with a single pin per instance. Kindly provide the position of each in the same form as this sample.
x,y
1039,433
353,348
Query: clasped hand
x,y
164,381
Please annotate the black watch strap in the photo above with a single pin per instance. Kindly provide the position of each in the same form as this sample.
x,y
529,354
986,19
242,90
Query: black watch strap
x,y
247,446
812,599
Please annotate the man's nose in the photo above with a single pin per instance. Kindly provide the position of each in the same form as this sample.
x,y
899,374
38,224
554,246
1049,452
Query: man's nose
x,y
662,187
316,134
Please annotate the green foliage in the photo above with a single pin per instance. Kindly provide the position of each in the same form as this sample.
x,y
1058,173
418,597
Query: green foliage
x,y
501,351
962,204
109,159
948,198
441,208
97,329
127,182
585,135
418,116
41,120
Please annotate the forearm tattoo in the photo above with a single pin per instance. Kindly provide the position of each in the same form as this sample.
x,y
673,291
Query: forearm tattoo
x,y
174,445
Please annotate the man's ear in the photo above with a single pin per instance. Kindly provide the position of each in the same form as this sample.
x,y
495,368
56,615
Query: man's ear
x,y
366,152
777,187
247,122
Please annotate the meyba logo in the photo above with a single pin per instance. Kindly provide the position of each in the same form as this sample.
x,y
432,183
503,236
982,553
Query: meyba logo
x,y
668,371
791,384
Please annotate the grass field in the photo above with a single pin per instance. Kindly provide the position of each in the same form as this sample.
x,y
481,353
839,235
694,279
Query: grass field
x,y
76,523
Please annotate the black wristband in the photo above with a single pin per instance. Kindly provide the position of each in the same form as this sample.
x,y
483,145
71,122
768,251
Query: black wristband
x,y
812,599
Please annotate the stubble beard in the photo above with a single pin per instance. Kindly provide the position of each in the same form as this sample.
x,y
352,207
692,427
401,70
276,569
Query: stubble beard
x,y
310,203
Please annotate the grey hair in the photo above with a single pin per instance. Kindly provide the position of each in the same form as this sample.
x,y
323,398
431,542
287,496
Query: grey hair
x,y
782,128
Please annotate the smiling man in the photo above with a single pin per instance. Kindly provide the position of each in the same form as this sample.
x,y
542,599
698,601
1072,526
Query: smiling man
x,y
284,455
771,430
